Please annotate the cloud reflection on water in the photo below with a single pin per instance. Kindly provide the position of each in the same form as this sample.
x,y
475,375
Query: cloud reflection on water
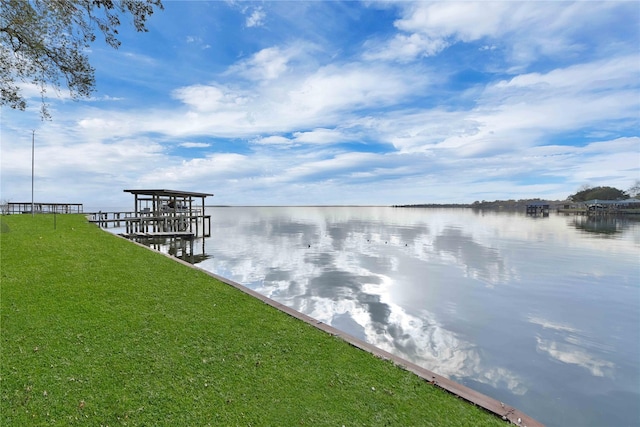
x,y
478,261
574,355
573,350
359,305
342,272
534,312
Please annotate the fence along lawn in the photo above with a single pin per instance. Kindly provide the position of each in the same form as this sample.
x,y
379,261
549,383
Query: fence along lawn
x,y
99,331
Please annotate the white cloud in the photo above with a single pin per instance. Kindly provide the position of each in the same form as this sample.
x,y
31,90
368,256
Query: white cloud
x,y
69,168
309,100
208,98
521,111
404,48
266,64
188,172
354,86
465,20
613,73
106,98
321,136
256,19
195,145
524,29
509,114
272,140
334,166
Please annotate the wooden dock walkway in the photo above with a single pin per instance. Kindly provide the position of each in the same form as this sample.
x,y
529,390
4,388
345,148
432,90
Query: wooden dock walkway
x,y
162,234
133,222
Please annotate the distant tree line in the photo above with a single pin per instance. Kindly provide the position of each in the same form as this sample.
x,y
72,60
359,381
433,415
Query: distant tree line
x,y
601,193
484,204
585,193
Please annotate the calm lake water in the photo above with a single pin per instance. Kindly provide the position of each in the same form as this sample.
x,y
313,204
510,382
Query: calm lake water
x,y
540,313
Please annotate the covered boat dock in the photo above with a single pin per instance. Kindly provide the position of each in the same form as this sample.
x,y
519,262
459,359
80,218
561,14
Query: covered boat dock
x,y
170,211
161,213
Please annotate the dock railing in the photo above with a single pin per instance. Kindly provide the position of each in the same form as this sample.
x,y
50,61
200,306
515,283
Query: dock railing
x,y
46,208
148,222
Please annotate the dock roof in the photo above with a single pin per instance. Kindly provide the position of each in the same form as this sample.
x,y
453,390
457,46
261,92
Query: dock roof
x,y
168,193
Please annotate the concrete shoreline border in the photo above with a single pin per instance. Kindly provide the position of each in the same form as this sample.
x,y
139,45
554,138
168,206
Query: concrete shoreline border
x,y
489,404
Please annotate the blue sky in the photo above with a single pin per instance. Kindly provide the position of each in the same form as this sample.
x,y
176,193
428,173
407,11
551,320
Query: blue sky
x,y
326,102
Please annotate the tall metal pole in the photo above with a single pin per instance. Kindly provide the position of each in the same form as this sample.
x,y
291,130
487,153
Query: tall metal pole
x,y
33,143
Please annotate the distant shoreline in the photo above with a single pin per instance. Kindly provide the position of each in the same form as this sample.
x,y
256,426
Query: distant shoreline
x,y
495,204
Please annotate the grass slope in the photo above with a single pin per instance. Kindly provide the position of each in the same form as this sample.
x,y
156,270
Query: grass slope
x,y
98,331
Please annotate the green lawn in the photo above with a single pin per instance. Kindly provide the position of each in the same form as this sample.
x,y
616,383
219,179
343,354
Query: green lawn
x,y
98,331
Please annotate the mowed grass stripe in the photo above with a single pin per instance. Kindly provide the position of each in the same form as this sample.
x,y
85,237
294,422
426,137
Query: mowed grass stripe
x,y
99,331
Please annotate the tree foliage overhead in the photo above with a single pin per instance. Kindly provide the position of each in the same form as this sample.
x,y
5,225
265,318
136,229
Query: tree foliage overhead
x,y
601,193
44,42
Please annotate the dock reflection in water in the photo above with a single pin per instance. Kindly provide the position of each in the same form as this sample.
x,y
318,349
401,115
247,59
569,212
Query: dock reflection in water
x,y
535,312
